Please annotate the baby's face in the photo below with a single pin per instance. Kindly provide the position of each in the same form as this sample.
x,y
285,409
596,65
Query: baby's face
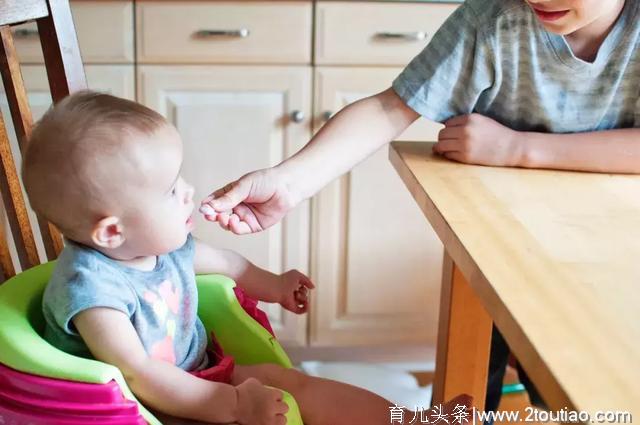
x,y
158,219
567,16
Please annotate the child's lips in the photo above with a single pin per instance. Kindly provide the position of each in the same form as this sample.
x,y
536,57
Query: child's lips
x,y
549,16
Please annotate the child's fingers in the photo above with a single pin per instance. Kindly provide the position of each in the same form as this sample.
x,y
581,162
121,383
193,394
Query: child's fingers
x,y
231,195
247,215
223,220
211,218
301,308
209,213
450,133
238,226
283,408
306,282
445,146
455,156
456,121
300,297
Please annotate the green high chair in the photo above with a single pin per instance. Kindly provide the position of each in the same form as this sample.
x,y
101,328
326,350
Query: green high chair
x,y
36,379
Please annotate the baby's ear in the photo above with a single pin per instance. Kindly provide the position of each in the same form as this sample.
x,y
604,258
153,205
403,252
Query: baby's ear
x,y
107,233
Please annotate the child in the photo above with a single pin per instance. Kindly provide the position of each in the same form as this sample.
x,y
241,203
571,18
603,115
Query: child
x,y
106,172
522,83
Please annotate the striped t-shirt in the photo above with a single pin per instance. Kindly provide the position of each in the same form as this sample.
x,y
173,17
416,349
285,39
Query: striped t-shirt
x,y
495,58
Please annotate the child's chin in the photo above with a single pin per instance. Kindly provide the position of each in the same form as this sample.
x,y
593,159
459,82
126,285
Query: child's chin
x,y
561,27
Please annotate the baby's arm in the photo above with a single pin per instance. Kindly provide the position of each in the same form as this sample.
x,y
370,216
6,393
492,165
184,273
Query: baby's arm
x,y
289,289
112,339
476,139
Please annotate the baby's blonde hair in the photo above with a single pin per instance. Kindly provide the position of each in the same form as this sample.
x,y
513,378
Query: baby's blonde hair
x,y
69,153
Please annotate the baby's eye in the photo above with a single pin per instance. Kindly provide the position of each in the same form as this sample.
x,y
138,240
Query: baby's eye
x,y
173,191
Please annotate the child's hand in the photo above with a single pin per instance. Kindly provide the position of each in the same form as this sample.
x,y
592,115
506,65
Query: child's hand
x,y
256,201
260,405
294,291
476,139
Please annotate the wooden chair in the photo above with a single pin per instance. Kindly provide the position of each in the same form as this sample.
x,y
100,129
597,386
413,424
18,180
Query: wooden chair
x,y
66,75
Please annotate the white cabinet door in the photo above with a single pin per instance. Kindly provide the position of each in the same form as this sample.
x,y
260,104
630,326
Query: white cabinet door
x,y
236,119
376,261
114,79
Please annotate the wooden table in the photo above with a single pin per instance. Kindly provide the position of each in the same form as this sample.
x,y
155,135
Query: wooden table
x,y
553,258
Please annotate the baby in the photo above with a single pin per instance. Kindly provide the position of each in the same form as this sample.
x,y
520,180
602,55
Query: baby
x,y
106,172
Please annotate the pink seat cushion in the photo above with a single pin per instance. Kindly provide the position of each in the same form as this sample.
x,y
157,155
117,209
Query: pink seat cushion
x,y
26,398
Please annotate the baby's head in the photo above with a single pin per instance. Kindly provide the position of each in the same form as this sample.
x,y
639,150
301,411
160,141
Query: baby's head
x,y
568,16
106,172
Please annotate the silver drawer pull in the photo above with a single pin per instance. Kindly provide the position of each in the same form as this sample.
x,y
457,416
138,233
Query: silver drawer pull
x,y
25,33
408,36
297,116
241,33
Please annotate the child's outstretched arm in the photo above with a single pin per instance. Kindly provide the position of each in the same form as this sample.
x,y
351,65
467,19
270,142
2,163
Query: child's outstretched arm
x,y
112,339
353,134
289,289
476,139
260,199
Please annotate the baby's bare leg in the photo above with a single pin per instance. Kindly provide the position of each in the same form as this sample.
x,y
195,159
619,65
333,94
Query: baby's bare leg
x,y
322,401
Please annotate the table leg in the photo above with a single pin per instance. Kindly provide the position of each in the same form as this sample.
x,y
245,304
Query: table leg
x,y
464,340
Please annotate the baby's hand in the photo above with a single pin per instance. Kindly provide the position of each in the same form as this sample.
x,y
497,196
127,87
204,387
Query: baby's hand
x,y
294,291
260,405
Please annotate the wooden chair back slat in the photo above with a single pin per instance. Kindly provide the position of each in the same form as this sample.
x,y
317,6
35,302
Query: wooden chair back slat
x,y
12,11
23,122
14,204
6,264
65,75
61,52
14,87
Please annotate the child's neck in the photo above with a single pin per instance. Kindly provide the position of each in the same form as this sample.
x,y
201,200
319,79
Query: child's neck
x,y
586,41
124,256
145,264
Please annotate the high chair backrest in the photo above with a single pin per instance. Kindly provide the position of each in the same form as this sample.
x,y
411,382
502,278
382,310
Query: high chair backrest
x,y
66,75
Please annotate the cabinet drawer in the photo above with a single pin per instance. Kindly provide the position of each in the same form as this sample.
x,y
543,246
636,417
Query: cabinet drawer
x,y
375,33
224,32
104,28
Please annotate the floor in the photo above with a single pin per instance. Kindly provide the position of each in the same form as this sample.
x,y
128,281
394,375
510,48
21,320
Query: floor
x,y
510,402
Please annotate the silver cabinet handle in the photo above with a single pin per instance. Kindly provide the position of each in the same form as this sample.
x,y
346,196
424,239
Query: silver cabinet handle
x,y
408,36
25,33
241,33
297,116
326,116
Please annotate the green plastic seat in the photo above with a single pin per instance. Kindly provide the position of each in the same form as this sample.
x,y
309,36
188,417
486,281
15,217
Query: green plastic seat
x,y
23,348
